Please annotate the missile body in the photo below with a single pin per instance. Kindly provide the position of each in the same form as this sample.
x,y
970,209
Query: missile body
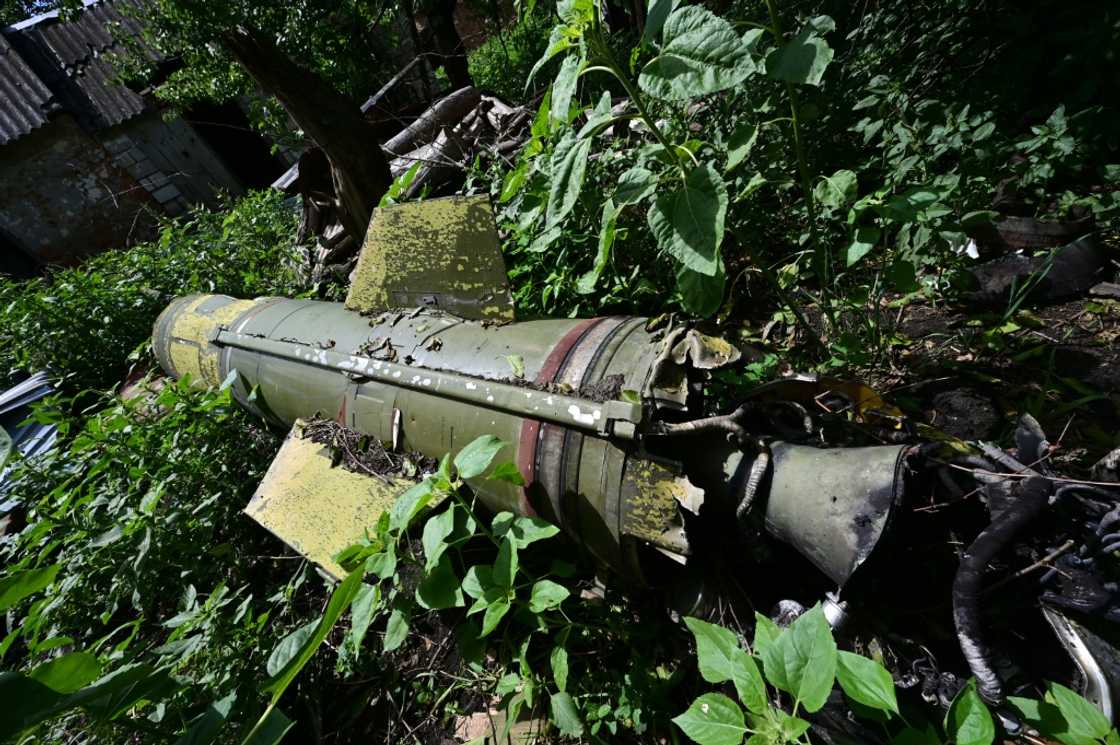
x,y
579,401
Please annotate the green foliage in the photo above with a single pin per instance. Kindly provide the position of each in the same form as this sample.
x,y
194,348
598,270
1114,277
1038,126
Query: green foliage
x,y
83,323
802,661
502,63
140,500
837,166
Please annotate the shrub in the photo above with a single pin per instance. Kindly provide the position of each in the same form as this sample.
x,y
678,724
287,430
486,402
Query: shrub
x,y
82,323
503,62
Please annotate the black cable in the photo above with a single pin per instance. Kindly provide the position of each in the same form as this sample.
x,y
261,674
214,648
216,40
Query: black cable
x,y
967,585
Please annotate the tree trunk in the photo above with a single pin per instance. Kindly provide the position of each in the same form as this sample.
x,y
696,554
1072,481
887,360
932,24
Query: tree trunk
x,y
447,43
358,167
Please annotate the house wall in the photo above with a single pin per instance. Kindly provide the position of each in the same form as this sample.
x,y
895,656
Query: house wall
x,y
168,158
63,196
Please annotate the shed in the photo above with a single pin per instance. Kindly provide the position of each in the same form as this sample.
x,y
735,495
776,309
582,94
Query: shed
x,y
87,163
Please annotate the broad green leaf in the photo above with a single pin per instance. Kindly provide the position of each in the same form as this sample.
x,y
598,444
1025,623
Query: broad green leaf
x,y
383,563
478,581
713,719
575,12
700,54
822,24
802,59
565,714
272,730
568,167
912,736
20,585
634,186
505,565
765,632
547,594
396,629
722,659
410,504
508,683
26,702
340,600
366,604
702,295
689,222
205,727
441,588
508,473
586,283
791,727
434,538
289,647
968,721
495,612
802,662
68,673
837,190
558,660
545,239
521,530
1084,722
513,181
558,41
5,445
476,457
866,681
564,88
740,144
598,118
114,694
656,15
864,240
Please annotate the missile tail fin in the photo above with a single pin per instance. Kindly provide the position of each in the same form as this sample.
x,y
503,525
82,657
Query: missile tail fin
x,y
318,508
441,253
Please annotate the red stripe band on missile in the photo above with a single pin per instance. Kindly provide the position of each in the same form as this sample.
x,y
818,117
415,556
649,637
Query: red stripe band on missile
x,y
531,428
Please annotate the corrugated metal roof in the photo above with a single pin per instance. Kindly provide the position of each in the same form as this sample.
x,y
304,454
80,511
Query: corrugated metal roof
x,y
29,438
70,58
24,99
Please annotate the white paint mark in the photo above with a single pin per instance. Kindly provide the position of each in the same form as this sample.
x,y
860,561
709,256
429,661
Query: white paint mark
x,y
397,374
427,381
597,415
579,416
489,398
472,387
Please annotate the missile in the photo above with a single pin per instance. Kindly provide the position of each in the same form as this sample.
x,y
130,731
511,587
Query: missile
x,y
605,418
616,424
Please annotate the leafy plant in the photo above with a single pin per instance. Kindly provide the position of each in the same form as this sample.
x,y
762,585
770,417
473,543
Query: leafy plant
x,y
801,664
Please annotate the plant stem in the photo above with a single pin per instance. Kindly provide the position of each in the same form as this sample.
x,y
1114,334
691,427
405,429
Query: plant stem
x,y
820,251
612,66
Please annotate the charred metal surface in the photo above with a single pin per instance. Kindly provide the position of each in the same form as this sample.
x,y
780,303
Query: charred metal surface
x,y
833,504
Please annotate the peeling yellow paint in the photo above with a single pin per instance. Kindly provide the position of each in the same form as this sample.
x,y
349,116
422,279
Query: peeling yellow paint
x,y
446,249
652,493
190,350
317,509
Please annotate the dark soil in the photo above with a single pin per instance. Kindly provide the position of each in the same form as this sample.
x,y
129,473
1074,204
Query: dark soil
x,y
971,375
